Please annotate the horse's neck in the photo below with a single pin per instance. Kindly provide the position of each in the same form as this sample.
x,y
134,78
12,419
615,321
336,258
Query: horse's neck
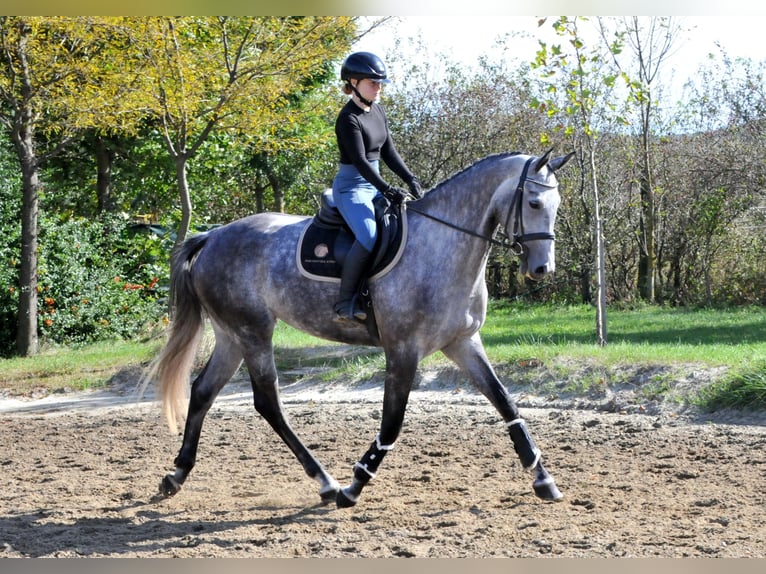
x,y
460,240
466,201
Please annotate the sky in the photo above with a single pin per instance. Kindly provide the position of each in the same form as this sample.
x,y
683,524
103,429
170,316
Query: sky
x,y
465,37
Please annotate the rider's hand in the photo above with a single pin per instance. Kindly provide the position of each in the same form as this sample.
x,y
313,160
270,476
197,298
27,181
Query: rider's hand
x,y
415,189
395,195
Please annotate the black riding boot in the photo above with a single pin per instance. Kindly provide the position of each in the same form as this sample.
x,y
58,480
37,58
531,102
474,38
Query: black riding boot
x,y
354,267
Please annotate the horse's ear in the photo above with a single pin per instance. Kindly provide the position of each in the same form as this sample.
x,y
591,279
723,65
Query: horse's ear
x,y
540,163
559,162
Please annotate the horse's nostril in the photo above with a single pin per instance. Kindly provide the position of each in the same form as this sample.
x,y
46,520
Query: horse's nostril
x,y
542,270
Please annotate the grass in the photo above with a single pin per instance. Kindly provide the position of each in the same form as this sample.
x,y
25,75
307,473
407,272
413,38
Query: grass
x,y
744,389
644,337
649,334
560,337
78,368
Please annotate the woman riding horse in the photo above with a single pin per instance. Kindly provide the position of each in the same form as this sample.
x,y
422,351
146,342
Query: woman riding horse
x,y
243,278
363,139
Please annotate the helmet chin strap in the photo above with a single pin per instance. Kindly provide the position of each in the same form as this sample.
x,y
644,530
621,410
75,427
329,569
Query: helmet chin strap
x,y
365,101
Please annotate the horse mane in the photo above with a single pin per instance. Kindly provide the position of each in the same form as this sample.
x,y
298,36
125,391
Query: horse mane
x,y
475,165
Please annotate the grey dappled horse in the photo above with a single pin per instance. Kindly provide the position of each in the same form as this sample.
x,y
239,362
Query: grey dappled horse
x,y
243,277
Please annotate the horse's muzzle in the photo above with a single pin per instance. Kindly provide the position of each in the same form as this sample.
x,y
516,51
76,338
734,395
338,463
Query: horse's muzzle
x,y
538,273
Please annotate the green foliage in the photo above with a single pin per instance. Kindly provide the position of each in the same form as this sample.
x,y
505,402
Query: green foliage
x,y
577,82
303,159
98,280
276,150
10,231
141,177
240,74
743,389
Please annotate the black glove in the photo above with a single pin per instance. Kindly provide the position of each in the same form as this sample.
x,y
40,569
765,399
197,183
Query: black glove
x,y
415,189
395,195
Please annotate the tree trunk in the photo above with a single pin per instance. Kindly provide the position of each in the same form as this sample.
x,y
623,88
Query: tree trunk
x,y
646,263
103,175
271,177
260,201
279,199
647,255
652,42
585,293
26,335
22,134
601,327
586,259
185,197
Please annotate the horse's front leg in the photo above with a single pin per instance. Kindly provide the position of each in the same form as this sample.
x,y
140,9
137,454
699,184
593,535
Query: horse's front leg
x,y
400,374
470,356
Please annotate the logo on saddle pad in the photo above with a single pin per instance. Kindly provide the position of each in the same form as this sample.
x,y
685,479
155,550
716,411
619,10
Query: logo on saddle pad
x,y
326,239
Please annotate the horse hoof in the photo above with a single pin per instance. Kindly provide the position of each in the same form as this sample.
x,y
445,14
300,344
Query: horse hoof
x,y
329,495
169,486
343,501
546,489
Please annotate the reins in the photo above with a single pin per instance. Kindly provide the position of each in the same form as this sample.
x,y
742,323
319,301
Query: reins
x,y
492,240
515,246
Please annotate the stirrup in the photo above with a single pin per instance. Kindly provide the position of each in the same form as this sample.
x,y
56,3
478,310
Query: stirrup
x,y
348,311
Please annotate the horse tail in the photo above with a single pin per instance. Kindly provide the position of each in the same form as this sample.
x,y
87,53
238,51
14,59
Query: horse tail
x,y
172,367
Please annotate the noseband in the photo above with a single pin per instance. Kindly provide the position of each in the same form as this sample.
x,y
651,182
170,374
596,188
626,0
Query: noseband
x,y
516,246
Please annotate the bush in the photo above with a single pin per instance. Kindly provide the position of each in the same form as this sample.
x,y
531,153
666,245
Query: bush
x,y
742,389
10,231
98,280
9,279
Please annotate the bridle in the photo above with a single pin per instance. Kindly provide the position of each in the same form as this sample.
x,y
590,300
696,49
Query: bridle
x,y
519,238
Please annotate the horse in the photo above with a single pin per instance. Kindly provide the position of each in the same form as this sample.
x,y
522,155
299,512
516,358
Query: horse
x,y
242,277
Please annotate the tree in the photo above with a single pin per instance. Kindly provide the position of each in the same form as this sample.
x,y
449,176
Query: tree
x,y
651,41
220,73
307,140
584,105
446,117
47,68
10,209
62,75
712,222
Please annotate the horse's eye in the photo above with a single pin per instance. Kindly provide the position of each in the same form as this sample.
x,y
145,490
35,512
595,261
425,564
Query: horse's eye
x,y
535,203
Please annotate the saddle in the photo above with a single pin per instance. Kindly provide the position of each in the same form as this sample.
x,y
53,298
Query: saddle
x,y
326,239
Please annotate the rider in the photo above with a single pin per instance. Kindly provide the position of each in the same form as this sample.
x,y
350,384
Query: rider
x,y
363,139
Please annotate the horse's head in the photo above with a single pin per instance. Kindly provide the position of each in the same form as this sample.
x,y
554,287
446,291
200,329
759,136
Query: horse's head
x,y
532,215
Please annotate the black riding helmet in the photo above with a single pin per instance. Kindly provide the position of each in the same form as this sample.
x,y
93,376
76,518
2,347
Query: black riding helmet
x,y
361,65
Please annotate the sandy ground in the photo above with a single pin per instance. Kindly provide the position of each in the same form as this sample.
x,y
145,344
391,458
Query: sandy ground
x,y
80,475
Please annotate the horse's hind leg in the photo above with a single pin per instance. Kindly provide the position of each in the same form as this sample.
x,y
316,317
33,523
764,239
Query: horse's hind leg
x,y
263,376
470,356
221,366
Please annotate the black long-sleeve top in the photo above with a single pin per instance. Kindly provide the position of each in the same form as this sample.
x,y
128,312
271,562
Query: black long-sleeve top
x,y
364,137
